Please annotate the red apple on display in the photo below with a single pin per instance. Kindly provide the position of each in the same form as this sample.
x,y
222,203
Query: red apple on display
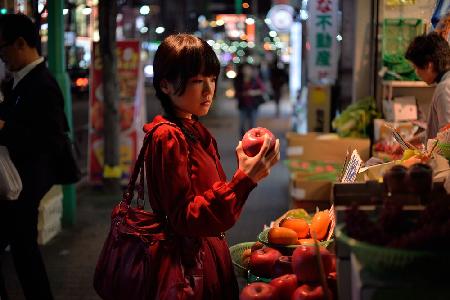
x,y
285,286
256,246
262,261
305,266
282,266
254,139
258,290
309,292
332,282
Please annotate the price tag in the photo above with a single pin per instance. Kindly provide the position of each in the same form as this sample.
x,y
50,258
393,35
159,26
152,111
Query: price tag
x,y
352,168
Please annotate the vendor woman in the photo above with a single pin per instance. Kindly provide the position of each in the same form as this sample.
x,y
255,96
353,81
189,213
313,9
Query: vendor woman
x,y
430,55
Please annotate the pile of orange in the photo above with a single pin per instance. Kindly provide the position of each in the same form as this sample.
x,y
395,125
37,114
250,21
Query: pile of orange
x,y
293,231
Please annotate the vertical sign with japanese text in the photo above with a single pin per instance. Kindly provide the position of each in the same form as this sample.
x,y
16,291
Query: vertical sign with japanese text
x,y
322,31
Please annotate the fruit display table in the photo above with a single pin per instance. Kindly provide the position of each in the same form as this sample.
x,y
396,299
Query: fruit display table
x,y
293,257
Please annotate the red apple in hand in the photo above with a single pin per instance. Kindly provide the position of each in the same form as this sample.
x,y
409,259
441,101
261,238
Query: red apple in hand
x,y
309,292
254,139
305,266
258,290
262,261
285,286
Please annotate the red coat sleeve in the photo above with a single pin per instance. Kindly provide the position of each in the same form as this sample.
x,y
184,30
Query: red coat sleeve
x,y
208,214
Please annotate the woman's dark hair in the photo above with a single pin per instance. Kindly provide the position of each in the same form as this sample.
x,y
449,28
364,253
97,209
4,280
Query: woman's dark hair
x,y
432,48
179,58
14,26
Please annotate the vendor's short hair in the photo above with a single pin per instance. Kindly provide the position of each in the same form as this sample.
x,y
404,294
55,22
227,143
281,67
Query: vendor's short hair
x,y
179,58
14,26
427,48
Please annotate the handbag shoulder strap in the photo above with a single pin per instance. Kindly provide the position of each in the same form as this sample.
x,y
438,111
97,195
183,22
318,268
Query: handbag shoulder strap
x,y
139,166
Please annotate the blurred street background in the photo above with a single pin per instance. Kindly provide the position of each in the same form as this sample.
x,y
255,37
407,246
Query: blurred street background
x,y
320,56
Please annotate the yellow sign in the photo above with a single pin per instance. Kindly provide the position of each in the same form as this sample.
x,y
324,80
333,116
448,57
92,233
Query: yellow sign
x,y
112,171
400,2
318,95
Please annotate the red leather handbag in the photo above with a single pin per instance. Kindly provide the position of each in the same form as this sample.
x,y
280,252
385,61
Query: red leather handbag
x,y
126,267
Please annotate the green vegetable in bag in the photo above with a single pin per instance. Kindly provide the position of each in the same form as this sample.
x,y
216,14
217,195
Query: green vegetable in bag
x,y
356,118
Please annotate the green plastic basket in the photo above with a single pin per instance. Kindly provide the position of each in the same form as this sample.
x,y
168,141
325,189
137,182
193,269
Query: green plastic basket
x,y
240,270
444,149
398,33
395,262
253,278
236,252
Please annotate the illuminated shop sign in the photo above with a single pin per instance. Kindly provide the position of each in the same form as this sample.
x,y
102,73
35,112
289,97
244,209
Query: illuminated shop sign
x,y
322,43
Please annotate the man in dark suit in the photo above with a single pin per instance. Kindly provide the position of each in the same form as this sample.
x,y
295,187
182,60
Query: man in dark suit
x,y
32,126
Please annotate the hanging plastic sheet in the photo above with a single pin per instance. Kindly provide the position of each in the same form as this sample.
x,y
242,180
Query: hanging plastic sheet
x,y
442,9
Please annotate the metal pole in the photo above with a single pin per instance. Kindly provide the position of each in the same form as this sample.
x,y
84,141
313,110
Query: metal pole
x,y
56,63
238,6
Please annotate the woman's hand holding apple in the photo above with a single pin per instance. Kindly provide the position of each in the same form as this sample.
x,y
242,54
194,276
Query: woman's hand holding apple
x,y
258,166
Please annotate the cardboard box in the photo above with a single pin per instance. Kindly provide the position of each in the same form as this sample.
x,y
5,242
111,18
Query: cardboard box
x,y
319,107
309,194
324,147
49,231
400,109
50,208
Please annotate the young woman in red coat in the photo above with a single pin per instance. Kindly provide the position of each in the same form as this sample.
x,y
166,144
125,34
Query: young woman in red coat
x,y
186,182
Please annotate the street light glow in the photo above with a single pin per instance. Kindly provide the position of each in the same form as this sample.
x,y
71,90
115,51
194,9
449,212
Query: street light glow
x,y
231,74
148,70
144,10
160,30
250,21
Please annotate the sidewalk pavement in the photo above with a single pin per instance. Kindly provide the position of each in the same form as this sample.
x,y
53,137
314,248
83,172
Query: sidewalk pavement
x,y
71,256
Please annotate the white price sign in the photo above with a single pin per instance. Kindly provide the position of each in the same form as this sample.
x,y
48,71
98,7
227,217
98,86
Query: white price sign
x,y
352,168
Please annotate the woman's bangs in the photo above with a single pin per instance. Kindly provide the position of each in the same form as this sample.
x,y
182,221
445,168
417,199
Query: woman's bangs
x,y
211,65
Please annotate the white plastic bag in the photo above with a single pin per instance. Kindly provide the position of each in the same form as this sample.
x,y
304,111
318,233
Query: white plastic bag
x,y
10,182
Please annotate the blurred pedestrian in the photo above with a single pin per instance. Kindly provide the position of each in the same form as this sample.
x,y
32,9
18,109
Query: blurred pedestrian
x,y
186,183
430,55
249,91
32,127
278,78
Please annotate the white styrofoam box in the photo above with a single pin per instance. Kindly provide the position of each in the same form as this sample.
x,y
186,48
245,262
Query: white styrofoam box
x,y
400,109
50,208
49,231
